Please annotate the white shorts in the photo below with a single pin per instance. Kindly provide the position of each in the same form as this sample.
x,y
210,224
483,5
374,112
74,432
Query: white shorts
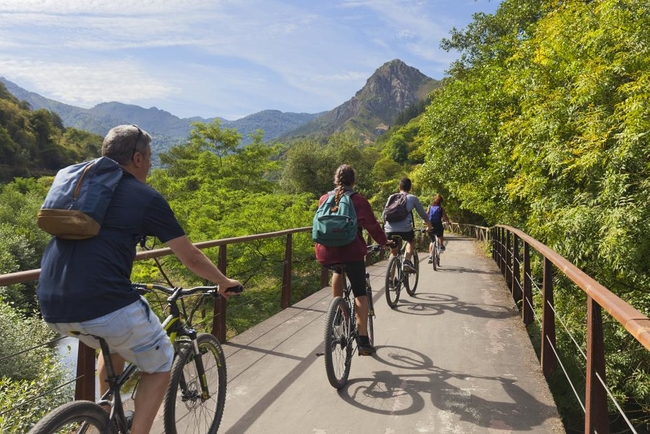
x,y
134,332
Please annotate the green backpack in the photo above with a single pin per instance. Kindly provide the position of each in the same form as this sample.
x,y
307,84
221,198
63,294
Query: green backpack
x,y
335,228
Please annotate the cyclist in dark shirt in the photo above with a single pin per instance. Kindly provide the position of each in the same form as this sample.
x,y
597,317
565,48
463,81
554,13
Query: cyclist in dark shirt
x,y
85,285
437,215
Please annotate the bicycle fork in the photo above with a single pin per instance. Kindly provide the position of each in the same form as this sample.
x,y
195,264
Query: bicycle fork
x,y
200,369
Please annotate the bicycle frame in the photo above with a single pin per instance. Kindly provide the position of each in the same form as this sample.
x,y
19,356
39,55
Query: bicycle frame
x,y
174,328
115,383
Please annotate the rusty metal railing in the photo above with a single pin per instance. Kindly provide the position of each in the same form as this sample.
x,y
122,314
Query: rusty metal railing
x,y
511,250
85,383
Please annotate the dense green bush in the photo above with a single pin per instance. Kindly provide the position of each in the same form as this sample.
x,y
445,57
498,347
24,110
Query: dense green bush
x,y
29,373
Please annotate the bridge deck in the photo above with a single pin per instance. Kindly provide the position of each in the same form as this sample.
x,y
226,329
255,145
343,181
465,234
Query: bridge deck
x,y
455,358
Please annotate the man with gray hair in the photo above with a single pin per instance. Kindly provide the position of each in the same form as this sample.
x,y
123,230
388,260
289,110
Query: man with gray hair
x,y
85,287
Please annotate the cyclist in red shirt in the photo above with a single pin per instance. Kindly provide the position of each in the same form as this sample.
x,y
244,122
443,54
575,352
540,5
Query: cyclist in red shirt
x,y
353,255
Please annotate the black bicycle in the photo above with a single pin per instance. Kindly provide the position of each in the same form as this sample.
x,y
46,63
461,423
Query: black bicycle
x,y
196,395
397,277
341,330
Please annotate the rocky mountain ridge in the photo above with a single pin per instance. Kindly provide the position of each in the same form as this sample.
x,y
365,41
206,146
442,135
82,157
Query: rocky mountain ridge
x,y
391,89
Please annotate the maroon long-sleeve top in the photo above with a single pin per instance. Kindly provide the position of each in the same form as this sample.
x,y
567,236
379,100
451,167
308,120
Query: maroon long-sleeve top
x,y
357,250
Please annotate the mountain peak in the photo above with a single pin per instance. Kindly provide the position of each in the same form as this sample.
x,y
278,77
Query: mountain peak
x,y
391,89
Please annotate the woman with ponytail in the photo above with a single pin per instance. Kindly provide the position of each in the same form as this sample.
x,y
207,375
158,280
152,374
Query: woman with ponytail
x,y
353,255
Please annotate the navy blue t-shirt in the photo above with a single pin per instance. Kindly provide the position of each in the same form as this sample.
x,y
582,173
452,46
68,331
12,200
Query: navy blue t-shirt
x,y
85,279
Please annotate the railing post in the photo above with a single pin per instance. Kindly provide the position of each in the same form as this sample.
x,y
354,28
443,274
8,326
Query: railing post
x,y
502,248
285,300
516,277
508,262
549,362
219,319
85,385
596,419
498,249
528,289
324,277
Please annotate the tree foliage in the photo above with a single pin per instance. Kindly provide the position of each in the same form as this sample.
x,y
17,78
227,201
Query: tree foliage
x,y
35,143
28,369
543,124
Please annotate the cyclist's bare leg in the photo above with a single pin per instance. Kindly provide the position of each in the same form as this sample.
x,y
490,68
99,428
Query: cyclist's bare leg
x,y
361,312
151,391
337,285
410,247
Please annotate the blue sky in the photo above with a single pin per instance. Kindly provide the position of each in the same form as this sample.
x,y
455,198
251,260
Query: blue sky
x,y
227,58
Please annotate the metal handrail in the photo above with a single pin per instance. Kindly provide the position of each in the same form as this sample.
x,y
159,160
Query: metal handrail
x,y
637,324
85,383
508,245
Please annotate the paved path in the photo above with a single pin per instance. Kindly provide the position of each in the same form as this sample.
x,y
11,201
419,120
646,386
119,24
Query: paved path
x,y
455,358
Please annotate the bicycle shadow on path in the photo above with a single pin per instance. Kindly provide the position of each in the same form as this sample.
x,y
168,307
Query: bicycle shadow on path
x,y
411,378
438,304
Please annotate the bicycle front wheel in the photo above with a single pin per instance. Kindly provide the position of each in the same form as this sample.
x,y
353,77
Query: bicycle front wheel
x,y
338,343
393,282
413,278
187,409
371,313
82,417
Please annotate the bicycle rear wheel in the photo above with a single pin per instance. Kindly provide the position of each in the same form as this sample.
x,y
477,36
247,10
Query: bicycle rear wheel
x,y
393,282
338,343
371,313
435,252
186,409
78,417
413,278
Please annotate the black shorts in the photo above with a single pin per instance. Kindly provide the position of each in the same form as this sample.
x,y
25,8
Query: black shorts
x,y
406,236
356,272
438,229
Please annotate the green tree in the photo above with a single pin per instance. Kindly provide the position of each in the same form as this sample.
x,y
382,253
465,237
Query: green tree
x,y
543,124
23,242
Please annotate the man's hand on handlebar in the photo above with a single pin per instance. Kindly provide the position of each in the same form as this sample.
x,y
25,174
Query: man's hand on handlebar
x,y
231,287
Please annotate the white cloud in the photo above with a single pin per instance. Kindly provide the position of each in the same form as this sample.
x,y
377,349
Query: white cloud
x,y
87,84
226,57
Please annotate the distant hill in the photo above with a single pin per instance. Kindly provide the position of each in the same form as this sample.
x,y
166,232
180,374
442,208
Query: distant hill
x,y
393,88
166,128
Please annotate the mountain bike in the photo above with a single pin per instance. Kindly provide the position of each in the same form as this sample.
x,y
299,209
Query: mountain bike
x,y
341,330
196,395
396,277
